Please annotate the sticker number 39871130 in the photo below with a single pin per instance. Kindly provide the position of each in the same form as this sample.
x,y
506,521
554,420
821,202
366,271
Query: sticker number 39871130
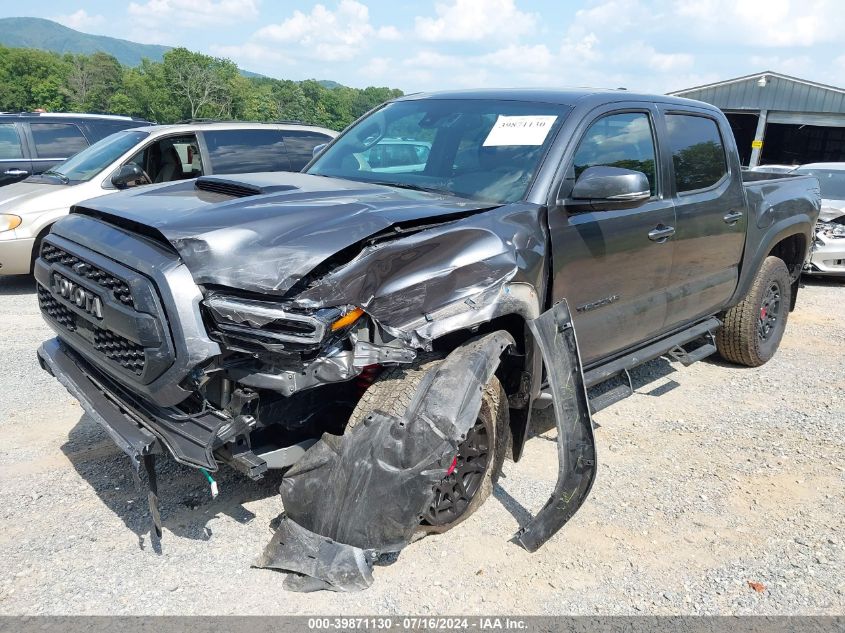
x,y
520,130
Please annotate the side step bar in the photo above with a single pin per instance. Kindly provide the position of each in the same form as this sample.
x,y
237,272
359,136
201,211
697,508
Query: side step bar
x,y
671,345
654,350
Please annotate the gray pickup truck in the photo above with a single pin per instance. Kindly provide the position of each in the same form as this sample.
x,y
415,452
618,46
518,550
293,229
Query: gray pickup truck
x,y
383,328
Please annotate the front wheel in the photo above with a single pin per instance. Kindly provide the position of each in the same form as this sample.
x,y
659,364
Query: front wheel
x,y
754,328
476,465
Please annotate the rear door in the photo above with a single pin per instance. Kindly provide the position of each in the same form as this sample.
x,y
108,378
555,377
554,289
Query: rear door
x,y
14,163
53,143
613,266
241,151
706,186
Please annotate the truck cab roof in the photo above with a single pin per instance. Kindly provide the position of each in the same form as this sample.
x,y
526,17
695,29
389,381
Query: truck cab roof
x,y
557,96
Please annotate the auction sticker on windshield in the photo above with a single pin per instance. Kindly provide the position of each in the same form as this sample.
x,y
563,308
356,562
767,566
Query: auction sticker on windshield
x,y
520,130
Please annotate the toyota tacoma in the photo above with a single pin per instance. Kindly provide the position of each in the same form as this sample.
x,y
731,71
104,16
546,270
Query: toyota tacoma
x,y
382,324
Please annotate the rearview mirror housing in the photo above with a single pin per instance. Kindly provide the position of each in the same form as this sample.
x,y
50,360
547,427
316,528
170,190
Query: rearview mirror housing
x,y
317,149
127,175
603,188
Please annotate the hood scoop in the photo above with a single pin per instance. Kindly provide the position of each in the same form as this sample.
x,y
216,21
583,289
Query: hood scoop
x,y
237,188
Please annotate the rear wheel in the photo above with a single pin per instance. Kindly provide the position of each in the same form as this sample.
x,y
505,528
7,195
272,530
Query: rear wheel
x,y
474,468
754,328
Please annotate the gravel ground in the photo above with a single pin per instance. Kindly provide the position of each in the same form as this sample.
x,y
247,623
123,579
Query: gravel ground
x,y
732,477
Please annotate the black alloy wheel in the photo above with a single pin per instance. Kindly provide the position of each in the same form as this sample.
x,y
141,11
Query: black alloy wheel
x,y
454,493
769,312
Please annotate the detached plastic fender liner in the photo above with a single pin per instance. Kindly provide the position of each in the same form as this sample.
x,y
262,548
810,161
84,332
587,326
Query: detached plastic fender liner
x,y
576,447
365,491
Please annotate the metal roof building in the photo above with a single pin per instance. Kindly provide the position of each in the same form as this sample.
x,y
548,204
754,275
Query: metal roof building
x,y
778,119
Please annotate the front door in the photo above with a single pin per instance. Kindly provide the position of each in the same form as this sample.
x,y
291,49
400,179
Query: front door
x,y
711,220
613,266
14,165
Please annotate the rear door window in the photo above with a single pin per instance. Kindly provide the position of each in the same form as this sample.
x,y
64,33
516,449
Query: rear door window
x,y
300,146
57,140
245,151
10,142
698,153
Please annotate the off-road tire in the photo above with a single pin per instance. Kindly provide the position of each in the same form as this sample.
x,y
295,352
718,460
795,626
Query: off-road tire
x,y
739,339
392,392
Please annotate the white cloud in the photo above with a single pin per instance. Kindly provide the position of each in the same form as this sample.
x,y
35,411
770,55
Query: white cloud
x,y
328,35
80,20
767,23
580,50
655,60
533,59
390,33
474,20
190,13
433,59
251,53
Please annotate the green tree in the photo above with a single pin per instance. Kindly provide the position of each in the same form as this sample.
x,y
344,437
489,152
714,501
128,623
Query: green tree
x,y
92,80
202,85
184,85
31,79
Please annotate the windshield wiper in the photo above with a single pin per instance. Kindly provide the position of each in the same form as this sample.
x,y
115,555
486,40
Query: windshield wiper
x,y
405,185
52,172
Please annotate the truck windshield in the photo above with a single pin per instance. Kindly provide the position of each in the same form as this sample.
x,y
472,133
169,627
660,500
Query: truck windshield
x,y
92,160
831,182
480,149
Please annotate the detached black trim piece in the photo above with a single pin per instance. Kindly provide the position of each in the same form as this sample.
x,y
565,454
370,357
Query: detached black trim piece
x,y
352,496
132,439
576,448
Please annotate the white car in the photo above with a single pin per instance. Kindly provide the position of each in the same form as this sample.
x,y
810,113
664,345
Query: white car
x,y
139,156
828,256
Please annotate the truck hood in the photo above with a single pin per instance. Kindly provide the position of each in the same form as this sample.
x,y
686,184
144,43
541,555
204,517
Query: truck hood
x,y
264,232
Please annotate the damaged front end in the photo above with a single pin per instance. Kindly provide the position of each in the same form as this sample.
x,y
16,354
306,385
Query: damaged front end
x,y
176,359
355,497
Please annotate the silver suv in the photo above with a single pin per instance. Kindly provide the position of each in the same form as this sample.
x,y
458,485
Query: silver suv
x,y
140,156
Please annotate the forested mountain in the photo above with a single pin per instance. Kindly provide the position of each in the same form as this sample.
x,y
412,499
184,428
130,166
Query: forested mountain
x,y
52,36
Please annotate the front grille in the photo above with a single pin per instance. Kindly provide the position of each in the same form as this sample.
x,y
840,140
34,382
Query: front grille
x,y
115,347
55,310
120,350
53,254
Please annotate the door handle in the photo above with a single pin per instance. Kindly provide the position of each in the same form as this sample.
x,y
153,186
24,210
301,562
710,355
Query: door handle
x,y
661,233
16,172
732,217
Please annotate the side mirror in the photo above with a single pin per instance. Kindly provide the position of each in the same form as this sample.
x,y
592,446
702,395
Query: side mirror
x,y
317,149
127,176
604,188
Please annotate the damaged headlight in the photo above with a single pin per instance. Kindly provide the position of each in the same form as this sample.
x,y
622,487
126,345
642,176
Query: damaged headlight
x,y
276,326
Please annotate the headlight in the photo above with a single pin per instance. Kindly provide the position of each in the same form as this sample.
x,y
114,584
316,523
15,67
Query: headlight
x,y
9,222
267,320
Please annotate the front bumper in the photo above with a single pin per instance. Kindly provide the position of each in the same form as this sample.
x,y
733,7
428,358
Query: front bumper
x,y
138,427
132,438
16,256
